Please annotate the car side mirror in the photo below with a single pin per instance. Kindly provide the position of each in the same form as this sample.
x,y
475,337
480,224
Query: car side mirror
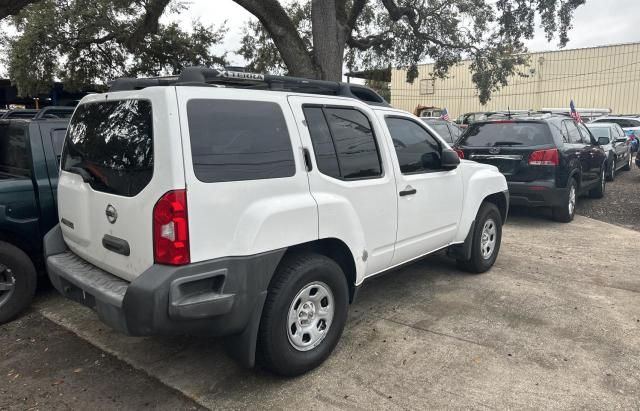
x,y
431,161
449,159
603,141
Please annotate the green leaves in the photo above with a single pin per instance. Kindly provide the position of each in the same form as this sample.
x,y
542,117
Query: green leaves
x,y
403,33
85,43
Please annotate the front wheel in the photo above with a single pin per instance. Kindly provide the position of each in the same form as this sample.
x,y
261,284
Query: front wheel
x,y
487,236
304,314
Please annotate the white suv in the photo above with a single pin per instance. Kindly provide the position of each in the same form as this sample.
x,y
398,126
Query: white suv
x,y
255,211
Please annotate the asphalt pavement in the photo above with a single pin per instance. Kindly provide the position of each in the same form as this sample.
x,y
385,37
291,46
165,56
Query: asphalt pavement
x,y
555,324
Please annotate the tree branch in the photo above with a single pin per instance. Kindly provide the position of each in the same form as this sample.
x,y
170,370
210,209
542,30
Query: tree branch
x,y
148,24
284,35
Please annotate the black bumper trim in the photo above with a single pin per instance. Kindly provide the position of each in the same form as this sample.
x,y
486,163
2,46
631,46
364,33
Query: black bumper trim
x,y
213,298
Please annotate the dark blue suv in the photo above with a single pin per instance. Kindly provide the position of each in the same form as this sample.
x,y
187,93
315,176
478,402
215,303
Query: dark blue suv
x,y
548,160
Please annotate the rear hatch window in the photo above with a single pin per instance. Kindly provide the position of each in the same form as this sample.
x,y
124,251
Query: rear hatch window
x,y
508,145
110,144
506,134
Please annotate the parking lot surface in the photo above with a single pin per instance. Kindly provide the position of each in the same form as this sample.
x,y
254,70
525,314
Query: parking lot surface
x,y
621,204
555,324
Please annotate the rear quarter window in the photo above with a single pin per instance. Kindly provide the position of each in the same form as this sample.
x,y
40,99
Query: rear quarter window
x,y
234,140
506,134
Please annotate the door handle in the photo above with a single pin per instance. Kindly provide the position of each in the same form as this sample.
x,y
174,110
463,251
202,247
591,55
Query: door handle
x,y
307,159
408,191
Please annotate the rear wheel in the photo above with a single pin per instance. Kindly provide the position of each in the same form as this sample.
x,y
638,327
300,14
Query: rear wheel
x,y
565,212
598,192
487,236
304,315
17,281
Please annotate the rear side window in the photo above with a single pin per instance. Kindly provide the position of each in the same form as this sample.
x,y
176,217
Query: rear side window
x,y
573,134
111,143
325,151
234,140
352,141
14,150
506,134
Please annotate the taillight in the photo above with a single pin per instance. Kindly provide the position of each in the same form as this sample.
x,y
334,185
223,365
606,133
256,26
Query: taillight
x,y
460,153
545,158
171,229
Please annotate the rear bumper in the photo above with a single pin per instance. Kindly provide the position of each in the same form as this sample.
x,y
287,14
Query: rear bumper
x,y
215,298
536,194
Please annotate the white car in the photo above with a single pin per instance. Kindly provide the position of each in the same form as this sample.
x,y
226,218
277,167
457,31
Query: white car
x,y
256,214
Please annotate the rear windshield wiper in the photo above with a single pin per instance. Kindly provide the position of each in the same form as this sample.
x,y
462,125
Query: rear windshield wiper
x,y
507,143
82,172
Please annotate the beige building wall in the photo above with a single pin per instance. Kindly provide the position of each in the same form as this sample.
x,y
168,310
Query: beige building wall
x,y
597,77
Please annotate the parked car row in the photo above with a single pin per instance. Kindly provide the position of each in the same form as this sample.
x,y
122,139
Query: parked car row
x,y
549,160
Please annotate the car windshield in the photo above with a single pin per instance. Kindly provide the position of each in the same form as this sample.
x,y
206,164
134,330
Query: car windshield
x,y
506,133
442,130
600,131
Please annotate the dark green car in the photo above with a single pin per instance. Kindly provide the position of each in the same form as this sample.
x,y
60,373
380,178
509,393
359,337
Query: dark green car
x,y
29,154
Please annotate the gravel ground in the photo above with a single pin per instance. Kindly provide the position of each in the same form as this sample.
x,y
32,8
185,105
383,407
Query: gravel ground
x,y
621,203
44,366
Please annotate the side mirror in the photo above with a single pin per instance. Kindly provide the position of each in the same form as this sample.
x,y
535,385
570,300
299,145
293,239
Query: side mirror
x,y
449,159
431,161
603,141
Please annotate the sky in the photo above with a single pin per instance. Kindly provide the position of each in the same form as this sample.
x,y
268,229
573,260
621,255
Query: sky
x,y
597,23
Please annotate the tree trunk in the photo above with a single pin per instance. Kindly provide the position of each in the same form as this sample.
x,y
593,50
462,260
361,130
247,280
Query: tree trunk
x,y
329,39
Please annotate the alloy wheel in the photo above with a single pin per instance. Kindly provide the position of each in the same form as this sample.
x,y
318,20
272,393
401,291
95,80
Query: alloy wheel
x,y
572,199
310,316
7,283
488,238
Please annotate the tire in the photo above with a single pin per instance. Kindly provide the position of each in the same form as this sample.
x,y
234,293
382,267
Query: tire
x,y
567,210
282,346
598,192
627,166
18,280
489,222
612,170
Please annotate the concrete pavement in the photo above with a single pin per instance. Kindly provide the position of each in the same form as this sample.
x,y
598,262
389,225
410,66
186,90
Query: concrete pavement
x,y
555,324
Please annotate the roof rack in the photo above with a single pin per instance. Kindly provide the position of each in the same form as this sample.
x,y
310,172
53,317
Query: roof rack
x,y
203,76
20,113
52,112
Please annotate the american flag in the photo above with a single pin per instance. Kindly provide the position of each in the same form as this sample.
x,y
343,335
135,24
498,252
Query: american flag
x,y
445,115
574,114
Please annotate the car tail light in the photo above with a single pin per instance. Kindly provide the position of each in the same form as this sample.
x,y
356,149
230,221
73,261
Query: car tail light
x,y
544,158
459,152
171,229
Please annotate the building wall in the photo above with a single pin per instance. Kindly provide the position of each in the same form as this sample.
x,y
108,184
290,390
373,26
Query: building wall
x,y
598,77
